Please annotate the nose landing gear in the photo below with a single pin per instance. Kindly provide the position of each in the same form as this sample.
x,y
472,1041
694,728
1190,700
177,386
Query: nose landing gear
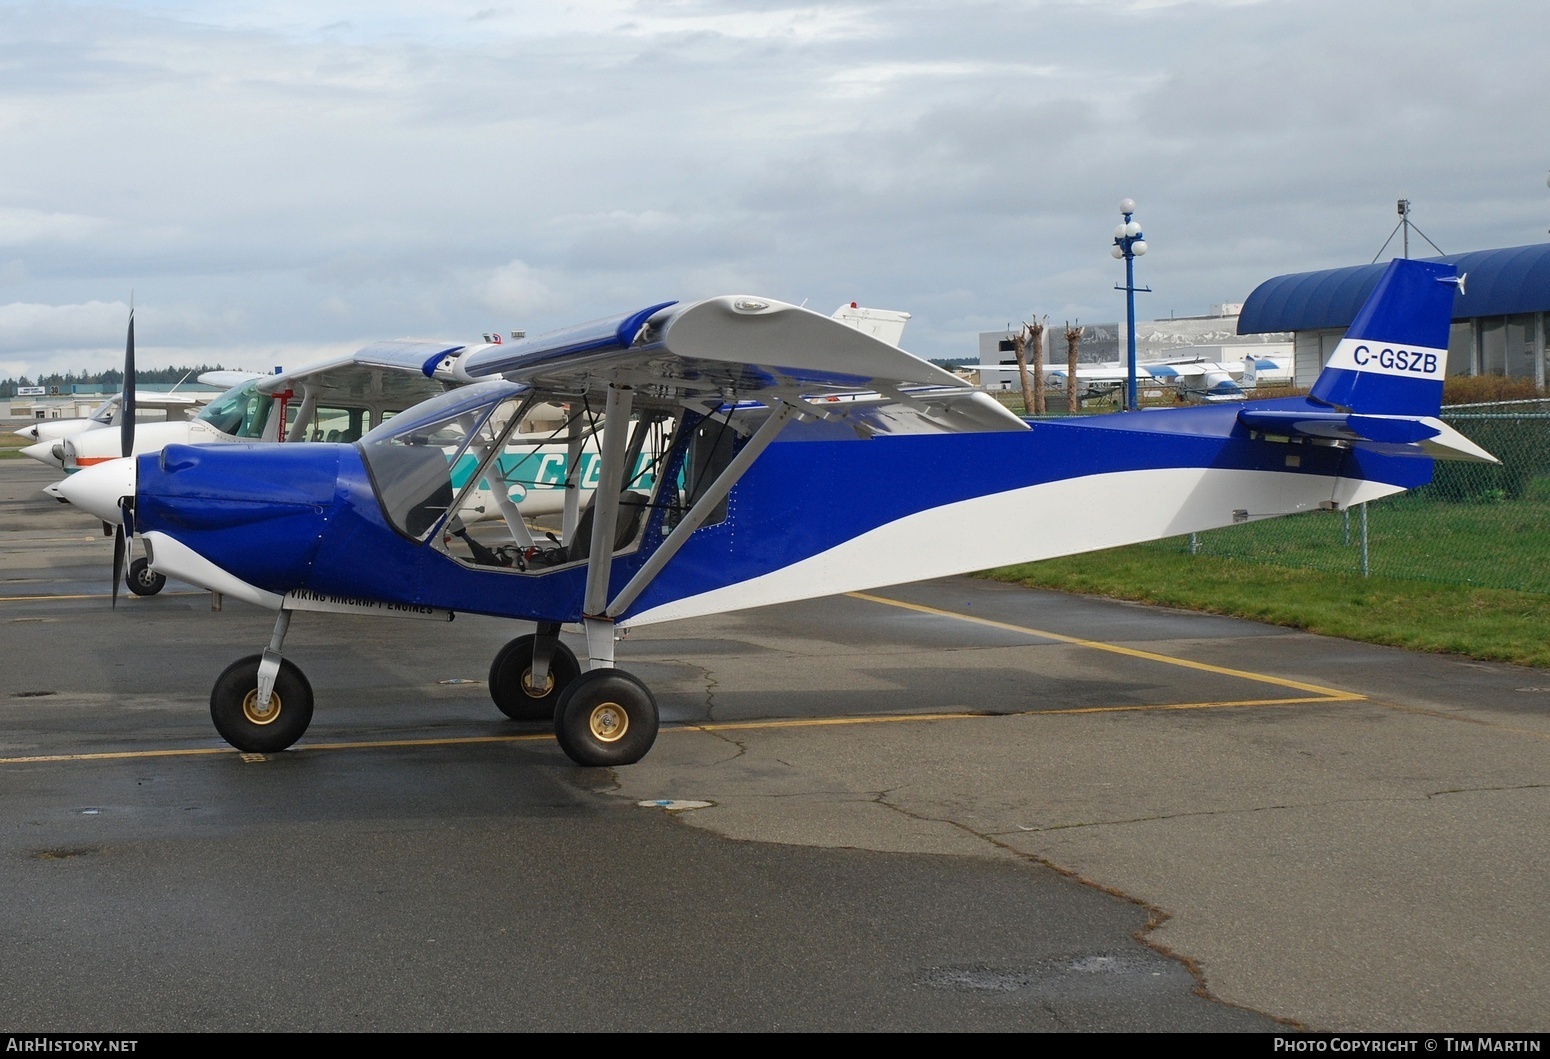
x,y
257,727
142,580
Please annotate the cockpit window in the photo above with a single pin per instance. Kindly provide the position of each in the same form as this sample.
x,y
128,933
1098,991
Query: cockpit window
x,y
241,412
525,500
411,457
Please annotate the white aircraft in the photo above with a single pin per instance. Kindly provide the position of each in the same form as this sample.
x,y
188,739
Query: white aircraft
x,y
549,463
1260,369
49,433
335,400
1191,378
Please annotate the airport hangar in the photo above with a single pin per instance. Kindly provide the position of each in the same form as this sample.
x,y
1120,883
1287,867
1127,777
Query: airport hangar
x,y
1499,322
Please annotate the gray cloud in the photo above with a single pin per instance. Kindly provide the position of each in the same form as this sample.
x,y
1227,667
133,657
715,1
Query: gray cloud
x,y
271,178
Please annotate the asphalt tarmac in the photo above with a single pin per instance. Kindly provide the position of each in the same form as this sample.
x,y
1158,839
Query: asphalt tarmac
x,y
956,805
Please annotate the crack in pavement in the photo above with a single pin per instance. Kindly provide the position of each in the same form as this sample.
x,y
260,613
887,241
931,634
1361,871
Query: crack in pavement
x,y
1421,797
1155,916
1021,830
1487,790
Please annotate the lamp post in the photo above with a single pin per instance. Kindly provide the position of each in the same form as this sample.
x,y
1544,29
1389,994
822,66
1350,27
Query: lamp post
x,y
1129,244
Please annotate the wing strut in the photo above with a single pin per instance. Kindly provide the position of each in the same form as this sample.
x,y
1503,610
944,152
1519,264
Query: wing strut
x,y
574,439
309,407
701,509
511,514
605,506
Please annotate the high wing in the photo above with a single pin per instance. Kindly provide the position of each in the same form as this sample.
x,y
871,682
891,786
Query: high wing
x,y
337,399
396,373
225,379
721,351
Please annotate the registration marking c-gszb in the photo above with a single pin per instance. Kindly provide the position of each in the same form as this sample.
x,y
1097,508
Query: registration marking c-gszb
x,y
1397,359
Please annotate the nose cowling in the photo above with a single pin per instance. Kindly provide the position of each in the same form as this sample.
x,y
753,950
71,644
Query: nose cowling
x,y
44,452
99,489
256,511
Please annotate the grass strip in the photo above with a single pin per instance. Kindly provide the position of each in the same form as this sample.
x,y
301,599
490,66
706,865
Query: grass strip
x,y
11,445
1497,625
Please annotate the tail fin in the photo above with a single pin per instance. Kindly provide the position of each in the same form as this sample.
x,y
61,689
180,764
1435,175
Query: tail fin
x,y
886,325
1395,353
1382,388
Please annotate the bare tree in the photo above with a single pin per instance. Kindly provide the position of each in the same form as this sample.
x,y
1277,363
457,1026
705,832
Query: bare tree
x,y
1034,336
1020,351
1073,345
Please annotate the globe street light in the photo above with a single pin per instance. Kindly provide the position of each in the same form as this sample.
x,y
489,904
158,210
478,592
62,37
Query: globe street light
x,y
1130,244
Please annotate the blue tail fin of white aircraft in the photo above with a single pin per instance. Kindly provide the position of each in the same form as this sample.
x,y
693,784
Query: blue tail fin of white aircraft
x,y
1383,386
1395,353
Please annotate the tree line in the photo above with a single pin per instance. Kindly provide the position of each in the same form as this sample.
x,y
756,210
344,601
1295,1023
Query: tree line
x,y
112,379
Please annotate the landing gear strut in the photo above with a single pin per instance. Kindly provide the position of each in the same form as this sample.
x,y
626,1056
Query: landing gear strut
x,y
262,704
531,673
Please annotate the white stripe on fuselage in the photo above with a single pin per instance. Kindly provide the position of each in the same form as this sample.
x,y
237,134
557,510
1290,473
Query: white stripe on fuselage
x,y
1024,525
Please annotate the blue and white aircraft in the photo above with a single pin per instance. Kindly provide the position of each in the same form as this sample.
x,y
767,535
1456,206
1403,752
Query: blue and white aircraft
x,y
752,452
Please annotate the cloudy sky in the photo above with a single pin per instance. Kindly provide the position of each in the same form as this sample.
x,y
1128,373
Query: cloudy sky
x,y
278,181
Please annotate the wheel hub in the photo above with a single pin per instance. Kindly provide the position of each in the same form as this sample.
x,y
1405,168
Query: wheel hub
x,y
534,691
608,722
261,715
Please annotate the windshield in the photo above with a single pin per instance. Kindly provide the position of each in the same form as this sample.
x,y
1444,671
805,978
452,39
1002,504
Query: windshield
x,y
411,456
240,412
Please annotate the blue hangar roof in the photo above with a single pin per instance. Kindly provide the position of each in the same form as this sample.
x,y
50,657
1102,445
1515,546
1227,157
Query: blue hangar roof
x,y
1511,280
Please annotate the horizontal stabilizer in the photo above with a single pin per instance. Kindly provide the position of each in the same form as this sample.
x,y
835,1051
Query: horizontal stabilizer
x,y
1415,435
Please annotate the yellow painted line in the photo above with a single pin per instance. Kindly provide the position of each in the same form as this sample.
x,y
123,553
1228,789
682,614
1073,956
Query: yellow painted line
x,y
117,755
1132,652
467,740
57,540
89,595
25,599
132,755
969,715
728,726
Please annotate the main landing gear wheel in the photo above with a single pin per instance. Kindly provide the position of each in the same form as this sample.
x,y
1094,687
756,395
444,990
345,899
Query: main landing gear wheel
x,y
606,717
511,680
142,580
250,727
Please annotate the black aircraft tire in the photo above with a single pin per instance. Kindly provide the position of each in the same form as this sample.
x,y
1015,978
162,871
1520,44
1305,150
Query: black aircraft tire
x,y
509,673
606,717
234,699
142,580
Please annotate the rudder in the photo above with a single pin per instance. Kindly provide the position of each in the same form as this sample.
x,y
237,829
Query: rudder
x,y
1395,353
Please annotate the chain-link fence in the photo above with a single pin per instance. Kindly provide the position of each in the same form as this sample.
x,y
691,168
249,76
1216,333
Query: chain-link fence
x,y
1475,524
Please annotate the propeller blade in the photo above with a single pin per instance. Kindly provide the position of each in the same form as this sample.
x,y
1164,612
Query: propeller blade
x,y
118,561
126,410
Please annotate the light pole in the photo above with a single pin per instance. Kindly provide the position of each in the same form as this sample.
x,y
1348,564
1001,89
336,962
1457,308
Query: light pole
x,y
1130,244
